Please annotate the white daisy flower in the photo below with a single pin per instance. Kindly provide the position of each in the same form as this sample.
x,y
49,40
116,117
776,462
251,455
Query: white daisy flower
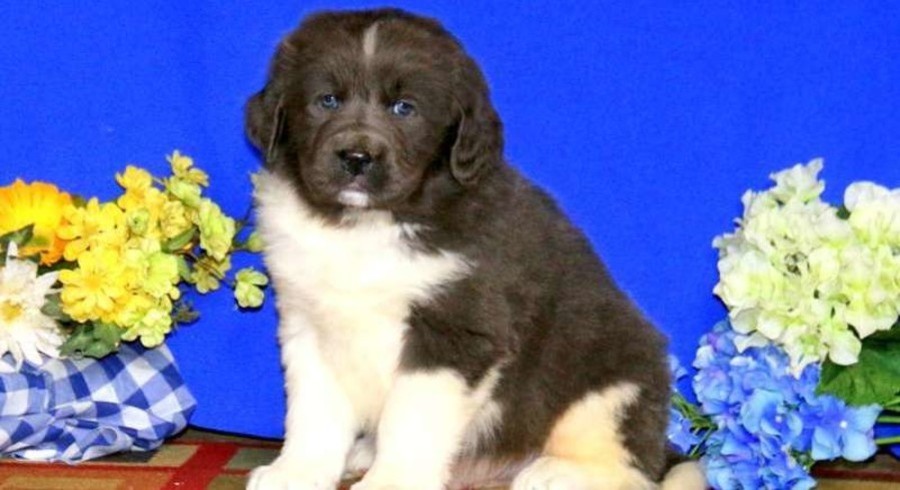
x,y
25,332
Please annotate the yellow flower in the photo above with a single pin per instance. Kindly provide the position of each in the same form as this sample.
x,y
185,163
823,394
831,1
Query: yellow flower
x,y
134,179
92,226
162,276
132,309
208,272
134,257
187,192
152,327
174,220
91,290
248,289
38,203
183,168
217,230
139,191
139,221
143,203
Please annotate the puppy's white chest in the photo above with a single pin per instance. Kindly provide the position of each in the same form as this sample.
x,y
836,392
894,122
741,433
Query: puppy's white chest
x,y
353,284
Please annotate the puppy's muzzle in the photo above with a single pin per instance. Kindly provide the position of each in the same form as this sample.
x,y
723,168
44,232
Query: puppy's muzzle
x,y
355,162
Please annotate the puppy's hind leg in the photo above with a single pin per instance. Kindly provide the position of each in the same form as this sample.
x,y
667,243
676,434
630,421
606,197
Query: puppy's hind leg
x,y
586,450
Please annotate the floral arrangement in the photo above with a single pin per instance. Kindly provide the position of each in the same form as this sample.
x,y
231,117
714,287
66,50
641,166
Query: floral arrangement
x,y
78,277
808,360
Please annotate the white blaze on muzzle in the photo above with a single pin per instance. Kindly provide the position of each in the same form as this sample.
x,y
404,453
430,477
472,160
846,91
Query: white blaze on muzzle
x,y
353,198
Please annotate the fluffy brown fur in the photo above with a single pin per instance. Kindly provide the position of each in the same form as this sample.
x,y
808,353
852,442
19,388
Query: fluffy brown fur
x,y
538,306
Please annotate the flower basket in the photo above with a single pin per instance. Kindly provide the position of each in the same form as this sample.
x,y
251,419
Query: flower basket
x,y
73,410
89,290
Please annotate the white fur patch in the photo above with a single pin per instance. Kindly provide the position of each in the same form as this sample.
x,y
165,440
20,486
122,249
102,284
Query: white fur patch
x,y
352,198
549,473
420,434
685,476
361,457
484,421
369,42
343,294
352,284
318,434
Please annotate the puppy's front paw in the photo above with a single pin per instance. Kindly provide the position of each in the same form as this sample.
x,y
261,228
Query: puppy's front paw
x,y
396,480
363,485
281,476
549,473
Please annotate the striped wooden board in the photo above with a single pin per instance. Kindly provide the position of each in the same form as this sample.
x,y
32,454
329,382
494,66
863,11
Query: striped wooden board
x,y
199,460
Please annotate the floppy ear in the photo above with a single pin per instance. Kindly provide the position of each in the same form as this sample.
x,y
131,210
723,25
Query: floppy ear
x,y
264,113
479,139
264,120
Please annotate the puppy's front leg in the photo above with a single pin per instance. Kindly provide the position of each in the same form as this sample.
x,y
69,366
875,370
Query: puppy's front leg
x,y
449,368
420,431
319,427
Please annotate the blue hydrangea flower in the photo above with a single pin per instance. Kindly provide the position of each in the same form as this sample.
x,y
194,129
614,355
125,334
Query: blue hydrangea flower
x,y
678,371
679,432
768,420
842,431
768,416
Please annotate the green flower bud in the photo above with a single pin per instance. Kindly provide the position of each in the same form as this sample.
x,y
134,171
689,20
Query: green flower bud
x,y
186,192
247,290
216,230
255,242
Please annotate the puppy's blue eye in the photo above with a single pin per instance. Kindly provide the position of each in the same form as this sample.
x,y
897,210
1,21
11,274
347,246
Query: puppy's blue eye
x,y
402,108
329,102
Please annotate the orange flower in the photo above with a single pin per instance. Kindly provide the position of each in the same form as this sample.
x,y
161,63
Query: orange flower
x,y
37,203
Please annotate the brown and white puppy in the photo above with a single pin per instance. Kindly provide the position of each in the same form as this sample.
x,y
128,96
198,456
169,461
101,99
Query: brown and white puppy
x,y
441,320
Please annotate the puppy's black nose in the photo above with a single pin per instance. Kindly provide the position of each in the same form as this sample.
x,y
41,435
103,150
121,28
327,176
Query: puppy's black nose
x,y
355,162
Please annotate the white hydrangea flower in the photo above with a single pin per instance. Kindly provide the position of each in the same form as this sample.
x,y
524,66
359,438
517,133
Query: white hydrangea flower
x,y
861,193
796,274
874,213
868,282
748,279
25,332
800,182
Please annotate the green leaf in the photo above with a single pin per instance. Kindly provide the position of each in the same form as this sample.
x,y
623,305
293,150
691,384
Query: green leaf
x,y
92,340
108,334
38,242
843,213
184,269
184,313
179,241
60,265
79,201
874,379
53,308
20,237
78,339
890,335
98,350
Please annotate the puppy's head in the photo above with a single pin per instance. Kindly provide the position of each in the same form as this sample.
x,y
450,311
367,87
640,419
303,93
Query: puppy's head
x,y
373,109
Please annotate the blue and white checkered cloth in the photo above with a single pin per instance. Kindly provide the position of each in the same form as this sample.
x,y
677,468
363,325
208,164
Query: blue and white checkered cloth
x,y
73,410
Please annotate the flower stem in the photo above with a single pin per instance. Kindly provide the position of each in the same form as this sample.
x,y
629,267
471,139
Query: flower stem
x,y
211,270
887,419
887,441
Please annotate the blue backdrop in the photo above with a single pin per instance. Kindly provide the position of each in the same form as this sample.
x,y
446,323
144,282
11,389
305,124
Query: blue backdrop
x,y
647,121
